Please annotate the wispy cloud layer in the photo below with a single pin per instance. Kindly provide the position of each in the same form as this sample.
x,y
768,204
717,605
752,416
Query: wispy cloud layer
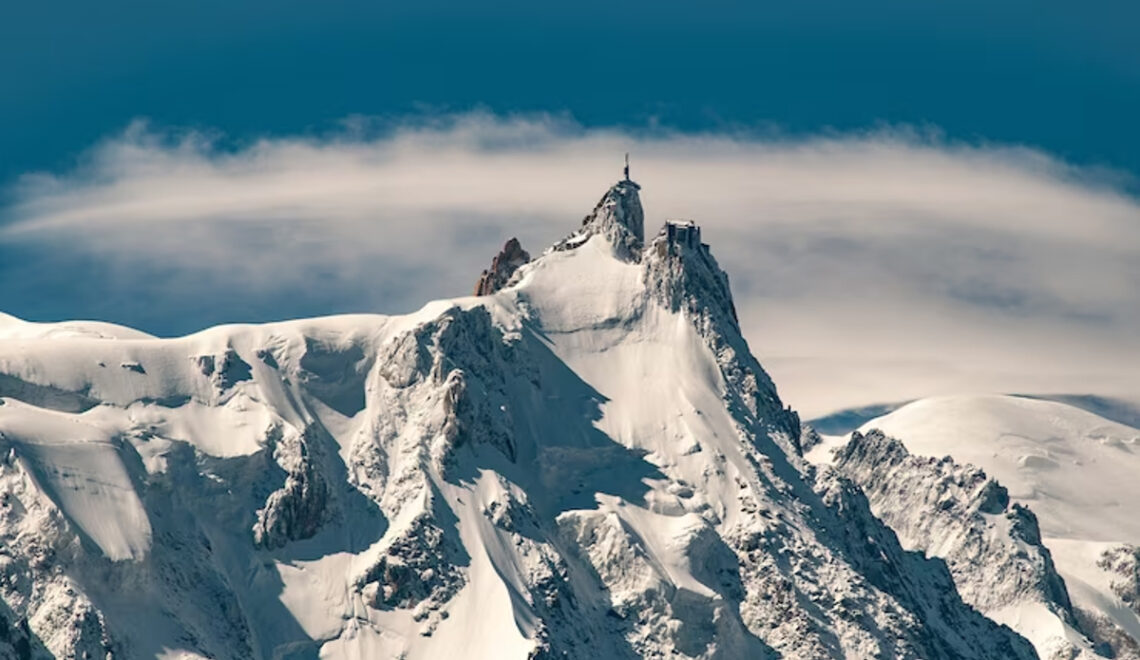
x,y
867,267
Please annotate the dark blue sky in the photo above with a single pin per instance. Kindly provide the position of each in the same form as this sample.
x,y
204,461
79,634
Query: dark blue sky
x,y
1061,76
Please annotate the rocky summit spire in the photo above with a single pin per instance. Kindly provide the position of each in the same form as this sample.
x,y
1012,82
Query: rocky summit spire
x,y
619,217
621,205
503,266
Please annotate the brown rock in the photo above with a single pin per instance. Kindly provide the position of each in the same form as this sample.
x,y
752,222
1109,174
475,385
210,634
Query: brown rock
x,y
502,267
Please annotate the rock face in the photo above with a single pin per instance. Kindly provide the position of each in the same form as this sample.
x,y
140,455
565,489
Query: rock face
x,y
1122,563
956,513
618,217
682,275
503,266
587,463
296,510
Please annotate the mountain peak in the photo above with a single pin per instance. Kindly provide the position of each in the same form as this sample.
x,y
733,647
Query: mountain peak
x,y
619,217
588,463
503,266
681,259
621,205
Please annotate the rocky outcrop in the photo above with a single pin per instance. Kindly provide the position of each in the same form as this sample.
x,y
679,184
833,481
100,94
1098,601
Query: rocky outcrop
x,y
618,217
419,568
1123,563
458,366
16,638
503,266
956,513
682,274
700,619
809,438
922,587
225,370
297,509
495,475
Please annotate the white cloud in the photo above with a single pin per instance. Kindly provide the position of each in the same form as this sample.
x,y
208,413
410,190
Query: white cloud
x,y
867,267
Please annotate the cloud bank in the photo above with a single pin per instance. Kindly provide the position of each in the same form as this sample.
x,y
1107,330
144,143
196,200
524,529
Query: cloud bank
x,y
867,268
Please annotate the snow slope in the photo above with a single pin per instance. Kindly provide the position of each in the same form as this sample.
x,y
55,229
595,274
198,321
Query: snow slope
x,y
1075,470
14,328
587,463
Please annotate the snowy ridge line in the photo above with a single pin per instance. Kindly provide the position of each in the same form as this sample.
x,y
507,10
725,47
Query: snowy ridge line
x,y
587,461
1074,470
991,545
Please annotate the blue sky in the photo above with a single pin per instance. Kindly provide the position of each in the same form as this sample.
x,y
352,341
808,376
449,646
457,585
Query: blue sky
x,y
960,178
1061,76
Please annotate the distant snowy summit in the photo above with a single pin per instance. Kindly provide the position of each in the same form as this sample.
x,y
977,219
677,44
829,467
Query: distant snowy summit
x,y
583,461
1052,550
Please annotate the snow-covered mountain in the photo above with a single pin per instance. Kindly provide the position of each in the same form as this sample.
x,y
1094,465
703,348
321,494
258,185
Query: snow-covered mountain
x,y
1063,504
587,461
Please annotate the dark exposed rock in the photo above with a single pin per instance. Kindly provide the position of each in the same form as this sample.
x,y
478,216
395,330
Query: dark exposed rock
x,y
297,509
419,568
226,370
503,266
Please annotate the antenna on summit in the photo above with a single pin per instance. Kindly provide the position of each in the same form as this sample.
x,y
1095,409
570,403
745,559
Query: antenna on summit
x,y
627,166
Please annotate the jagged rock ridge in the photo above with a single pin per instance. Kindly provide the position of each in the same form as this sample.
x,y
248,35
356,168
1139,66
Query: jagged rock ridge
x,y
619,217
503,266
956,513
1073,467
588,461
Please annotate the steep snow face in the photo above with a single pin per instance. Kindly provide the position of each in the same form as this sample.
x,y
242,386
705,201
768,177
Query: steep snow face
x,y
1074,469
77,462
588,462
